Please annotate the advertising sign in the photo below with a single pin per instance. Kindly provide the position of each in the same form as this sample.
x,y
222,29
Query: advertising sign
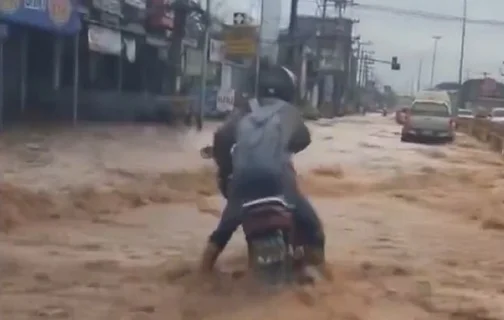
x,y
54,15
240,41
104,40
225,100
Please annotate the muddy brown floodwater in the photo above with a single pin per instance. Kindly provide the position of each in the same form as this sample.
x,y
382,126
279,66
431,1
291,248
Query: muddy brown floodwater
x,y
108,223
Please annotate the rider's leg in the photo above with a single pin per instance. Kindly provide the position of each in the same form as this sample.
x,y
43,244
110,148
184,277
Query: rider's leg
x,y
314,248
229,222
310,222
306,218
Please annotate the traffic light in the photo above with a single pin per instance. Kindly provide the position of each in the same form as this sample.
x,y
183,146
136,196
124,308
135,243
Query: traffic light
x,y
394,64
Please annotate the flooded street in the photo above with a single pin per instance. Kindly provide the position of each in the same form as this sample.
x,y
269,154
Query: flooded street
x,y
108,223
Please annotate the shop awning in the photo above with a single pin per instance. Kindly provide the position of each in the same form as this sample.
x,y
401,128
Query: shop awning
x,y
53,15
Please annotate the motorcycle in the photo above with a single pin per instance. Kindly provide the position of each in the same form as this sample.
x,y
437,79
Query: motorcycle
x,y
275,247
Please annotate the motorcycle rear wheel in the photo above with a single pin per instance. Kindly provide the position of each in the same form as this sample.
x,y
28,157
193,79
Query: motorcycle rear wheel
x,y
270,257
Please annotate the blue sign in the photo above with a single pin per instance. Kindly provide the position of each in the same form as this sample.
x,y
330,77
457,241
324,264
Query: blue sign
x,y
210,109
53,15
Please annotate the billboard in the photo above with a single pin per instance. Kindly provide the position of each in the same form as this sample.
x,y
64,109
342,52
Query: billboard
x,y
240,41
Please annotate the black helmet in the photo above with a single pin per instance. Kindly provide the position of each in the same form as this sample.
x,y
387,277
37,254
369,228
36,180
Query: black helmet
x,y
276,81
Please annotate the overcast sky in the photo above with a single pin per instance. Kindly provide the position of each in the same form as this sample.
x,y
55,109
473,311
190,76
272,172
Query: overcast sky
x,y
410,38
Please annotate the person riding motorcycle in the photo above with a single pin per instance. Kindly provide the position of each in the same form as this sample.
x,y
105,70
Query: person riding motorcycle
x,y
240,179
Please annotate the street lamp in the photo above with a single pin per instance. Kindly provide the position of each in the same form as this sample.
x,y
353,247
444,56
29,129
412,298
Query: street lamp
x,y
419,79
436,39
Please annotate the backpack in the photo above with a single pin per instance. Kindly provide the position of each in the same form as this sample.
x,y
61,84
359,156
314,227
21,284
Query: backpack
x,y
260,153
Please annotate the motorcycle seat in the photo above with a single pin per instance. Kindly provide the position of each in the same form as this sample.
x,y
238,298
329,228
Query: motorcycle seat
x,y
276,200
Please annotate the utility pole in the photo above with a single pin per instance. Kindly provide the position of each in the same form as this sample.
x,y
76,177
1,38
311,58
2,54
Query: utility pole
x,y
462,42
321,33
181,10
359,62
292,33
204,68
419,79
258,52
366,71
340,5
436,39
362,68
362,61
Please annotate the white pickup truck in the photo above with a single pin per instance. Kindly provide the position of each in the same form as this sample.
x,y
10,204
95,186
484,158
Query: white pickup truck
x,y
429,118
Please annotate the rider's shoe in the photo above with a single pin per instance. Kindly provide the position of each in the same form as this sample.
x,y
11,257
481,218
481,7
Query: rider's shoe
x,y
209,257
315,263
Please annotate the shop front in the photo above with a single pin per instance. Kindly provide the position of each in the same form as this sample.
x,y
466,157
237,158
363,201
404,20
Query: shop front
x,y
159,25
33,33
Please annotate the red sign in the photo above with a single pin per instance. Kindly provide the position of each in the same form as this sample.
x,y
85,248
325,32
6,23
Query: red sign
x,y
60,11
159,15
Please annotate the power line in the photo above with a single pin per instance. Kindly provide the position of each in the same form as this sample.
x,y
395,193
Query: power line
x,y
420,14
426,14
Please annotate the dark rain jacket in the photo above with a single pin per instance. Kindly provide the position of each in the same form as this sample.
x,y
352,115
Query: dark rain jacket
x,y
225,137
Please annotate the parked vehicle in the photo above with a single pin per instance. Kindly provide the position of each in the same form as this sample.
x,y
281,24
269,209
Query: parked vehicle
x,y
497,115
465,113
429,118
481,112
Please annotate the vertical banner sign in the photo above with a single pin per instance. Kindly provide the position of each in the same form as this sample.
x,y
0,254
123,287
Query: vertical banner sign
x,y
216,51
225,100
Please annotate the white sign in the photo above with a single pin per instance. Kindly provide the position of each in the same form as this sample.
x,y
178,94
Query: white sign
x,y
332,59
193,60
225,100
104,40
130,46
226,76
217,51
239,18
